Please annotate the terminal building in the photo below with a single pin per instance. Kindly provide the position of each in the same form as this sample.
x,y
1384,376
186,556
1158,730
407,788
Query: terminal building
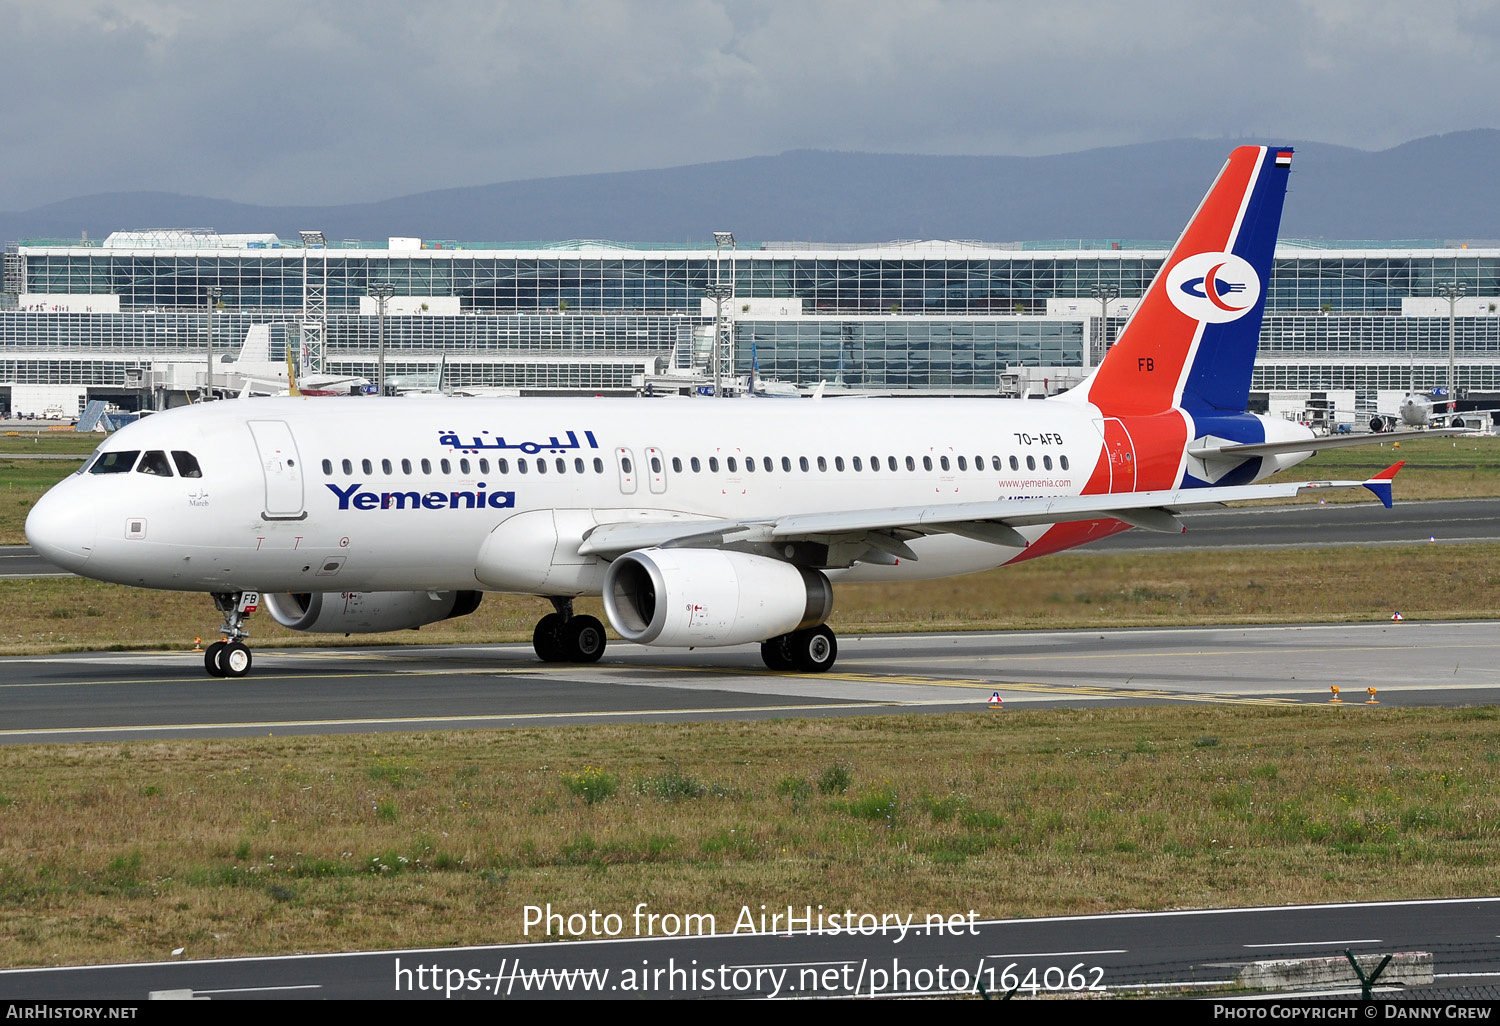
x,y
1349,327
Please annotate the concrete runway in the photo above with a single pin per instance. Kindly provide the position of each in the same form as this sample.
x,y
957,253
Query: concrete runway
x,y
99,696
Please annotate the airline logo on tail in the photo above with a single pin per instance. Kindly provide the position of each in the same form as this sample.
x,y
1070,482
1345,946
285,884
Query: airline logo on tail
x,y
1213,287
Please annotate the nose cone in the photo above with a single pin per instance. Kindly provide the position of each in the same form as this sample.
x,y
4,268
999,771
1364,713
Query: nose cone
x,y
61,529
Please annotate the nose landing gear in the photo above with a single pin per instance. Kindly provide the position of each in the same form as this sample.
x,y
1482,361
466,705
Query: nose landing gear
x,y
230,657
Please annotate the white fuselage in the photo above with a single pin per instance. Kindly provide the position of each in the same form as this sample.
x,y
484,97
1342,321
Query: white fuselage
x,y
384,494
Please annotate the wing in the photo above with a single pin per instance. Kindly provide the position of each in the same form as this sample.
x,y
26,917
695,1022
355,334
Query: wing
x,y
877,532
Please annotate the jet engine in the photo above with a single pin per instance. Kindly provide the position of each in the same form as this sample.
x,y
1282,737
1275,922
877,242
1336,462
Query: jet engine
x,y
370,612
687,598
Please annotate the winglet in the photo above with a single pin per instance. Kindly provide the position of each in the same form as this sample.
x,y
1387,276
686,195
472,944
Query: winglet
x,y
1380,484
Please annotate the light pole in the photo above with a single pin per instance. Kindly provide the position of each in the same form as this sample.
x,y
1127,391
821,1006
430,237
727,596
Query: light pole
x,y
723,332
210,293
1452,291
380,292
1104,292
718,293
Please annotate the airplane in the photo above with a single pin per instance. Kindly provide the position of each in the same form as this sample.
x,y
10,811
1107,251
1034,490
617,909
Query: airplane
x,y
701,523
1432,410
253,373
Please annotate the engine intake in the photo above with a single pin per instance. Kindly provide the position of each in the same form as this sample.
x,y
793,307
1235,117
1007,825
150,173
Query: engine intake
x,y
690,598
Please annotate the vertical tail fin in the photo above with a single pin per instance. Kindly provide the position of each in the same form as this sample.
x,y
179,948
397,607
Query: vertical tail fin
x,y
1192,340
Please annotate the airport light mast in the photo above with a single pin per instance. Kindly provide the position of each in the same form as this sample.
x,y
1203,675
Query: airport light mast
x,y
1452,291
723,326
380,292
1104,292
210,294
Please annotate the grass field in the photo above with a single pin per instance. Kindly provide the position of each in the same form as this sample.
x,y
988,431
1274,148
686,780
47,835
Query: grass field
x,y
249,846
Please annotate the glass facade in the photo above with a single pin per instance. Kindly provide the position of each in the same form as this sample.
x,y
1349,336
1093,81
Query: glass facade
x,y
929,315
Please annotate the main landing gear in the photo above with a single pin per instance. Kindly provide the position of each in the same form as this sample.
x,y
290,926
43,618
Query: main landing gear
x,y
810,651
231,657
563,637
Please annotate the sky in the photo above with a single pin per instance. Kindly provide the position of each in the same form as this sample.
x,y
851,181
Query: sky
x,y
330,101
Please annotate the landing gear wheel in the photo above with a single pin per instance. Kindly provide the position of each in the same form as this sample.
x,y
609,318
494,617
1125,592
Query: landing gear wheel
x,y
815,649
547,638
583,640
776,653
235,662
211,659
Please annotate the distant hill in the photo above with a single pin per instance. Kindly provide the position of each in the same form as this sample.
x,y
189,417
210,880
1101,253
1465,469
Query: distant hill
x,y
1436,188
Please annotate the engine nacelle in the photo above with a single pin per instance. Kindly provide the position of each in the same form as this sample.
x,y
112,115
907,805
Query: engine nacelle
x,y
689,598
1379,424
368,612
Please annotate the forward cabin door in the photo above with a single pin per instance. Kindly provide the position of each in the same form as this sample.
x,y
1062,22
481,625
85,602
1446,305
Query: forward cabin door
x,y
282,467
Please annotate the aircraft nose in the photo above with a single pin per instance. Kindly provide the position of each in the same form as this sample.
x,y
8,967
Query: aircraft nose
x,y
61,531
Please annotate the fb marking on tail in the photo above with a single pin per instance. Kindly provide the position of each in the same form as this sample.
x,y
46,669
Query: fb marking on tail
x,y
1203,285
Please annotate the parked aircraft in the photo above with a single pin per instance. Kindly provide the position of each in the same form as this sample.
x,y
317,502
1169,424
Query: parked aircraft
x,y
701,522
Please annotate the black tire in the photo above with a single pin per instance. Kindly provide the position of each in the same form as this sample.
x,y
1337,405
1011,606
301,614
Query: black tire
x,y
236,660
547,638
211,656
583,639
815,649
776,653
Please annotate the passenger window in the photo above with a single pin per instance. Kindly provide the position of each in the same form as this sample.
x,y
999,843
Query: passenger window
x,y
857,465
426,466
802,462
1047,462
385,467
598,465
118,462
822,464
1015,464
368,467
520,465
406,466
890,461
445,466
562,465
750,464
963,464
503,466
1063,462
463,466
187,463
676,465
541,465
348,467
926,463
943,462
838,463
328,468
911,464
1031,463
695,464
713,464
578,465
624,464
155,463
730,464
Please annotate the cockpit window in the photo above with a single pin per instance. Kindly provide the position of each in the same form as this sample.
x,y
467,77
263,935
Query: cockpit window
x,y
88,463
187,463
155,462
118,462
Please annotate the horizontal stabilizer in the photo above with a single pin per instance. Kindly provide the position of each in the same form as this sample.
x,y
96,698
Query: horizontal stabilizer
x,y
1239,451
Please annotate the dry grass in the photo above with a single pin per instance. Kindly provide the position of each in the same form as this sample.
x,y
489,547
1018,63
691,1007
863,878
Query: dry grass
x,y
1068,590
126,851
